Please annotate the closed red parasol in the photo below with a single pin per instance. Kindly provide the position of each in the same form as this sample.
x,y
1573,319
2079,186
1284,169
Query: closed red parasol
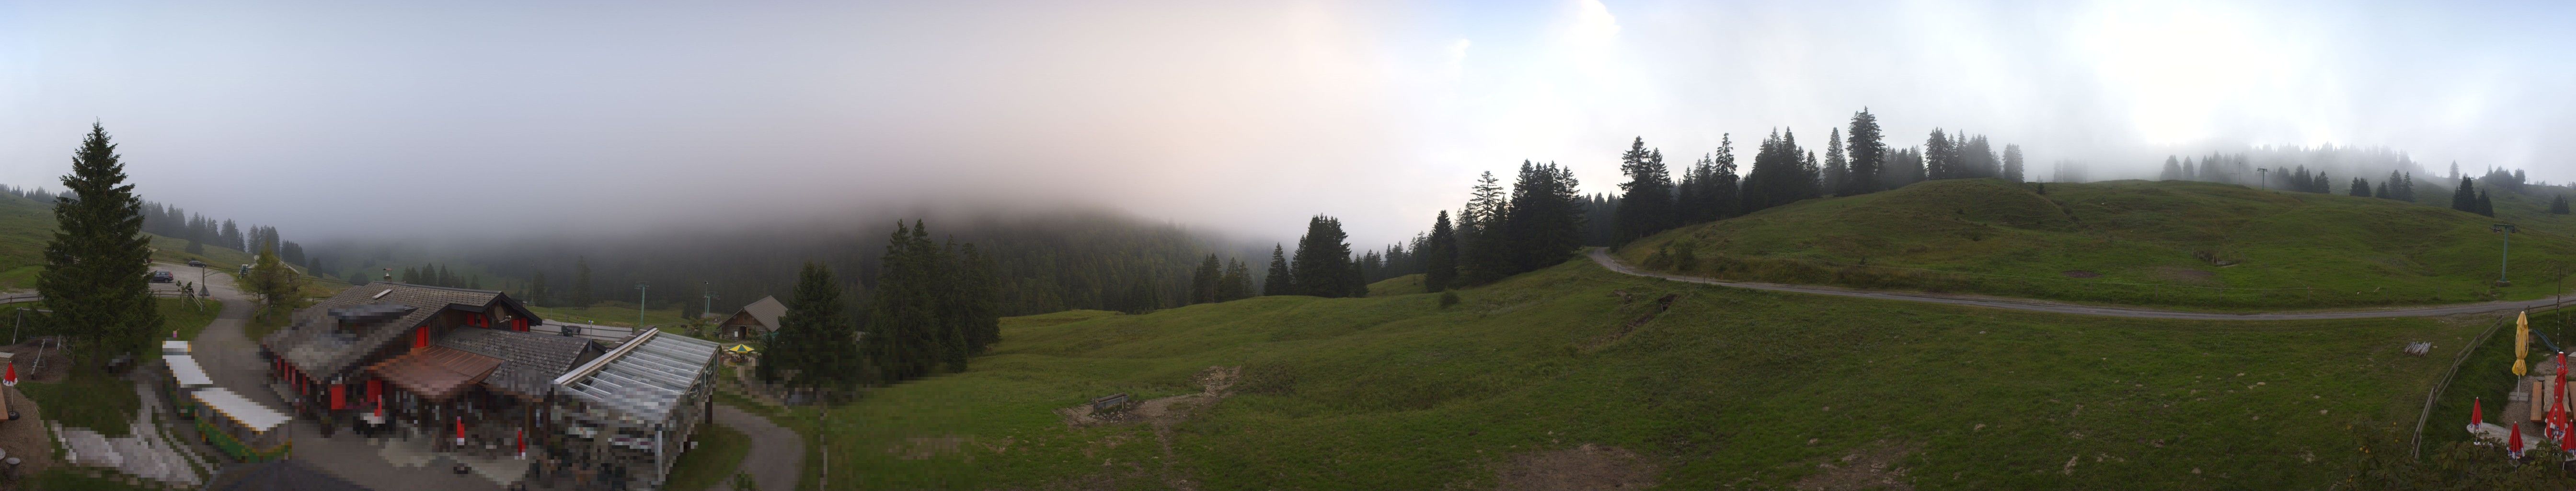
x,y
460,430
12,378
2513,442
523,443
2477,412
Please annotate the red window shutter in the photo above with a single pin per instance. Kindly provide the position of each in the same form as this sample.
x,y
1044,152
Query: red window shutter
x,y
339,396
421,340
375,388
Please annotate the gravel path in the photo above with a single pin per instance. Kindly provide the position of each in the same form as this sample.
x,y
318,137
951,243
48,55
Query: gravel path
x,y
1602,257
777,454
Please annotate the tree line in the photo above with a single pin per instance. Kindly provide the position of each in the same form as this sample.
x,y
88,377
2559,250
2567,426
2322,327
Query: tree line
x,y
171,221
936,305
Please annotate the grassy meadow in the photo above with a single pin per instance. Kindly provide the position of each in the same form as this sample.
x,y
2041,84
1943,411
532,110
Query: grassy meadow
x,y
1552,371
2175,244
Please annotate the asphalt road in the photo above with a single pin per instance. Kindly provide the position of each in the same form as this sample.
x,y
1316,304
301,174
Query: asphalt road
x,y
1602,256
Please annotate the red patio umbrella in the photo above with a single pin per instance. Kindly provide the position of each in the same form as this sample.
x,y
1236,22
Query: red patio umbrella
x,y
523,443
2513,443
12,378
2477,412
380,406
460,430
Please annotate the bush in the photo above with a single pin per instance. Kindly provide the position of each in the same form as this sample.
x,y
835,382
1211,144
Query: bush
x,y
1448,298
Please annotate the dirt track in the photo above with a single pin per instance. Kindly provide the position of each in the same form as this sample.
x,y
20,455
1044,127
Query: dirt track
x,y
1602,256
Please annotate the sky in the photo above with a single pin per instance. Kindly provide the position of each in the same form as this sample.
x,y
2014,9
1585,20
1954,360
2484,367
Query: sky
x,y
446,119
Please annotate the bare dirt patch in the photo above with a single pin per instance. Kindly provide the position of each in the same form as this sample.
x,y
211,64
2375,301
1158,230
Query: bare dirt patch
x,y
1585,467
56,365
1872,466
2078,273
1215,384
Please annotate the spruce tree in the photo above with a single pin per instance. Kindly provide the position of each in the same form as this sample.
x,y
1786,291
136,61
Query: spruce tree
x,y
904,336
1836,169
2173,169
2013,164
1484,251
1868,155
1722,187
976,287
813,336
1323,260
2558,205
95,264
2465,198
1236,284
1204,280
1645,205
1440,255
2485,206
2360,187
1280,281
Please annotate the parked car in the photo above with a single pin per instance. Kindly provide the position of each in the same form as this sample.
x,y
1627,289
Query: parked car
x,y
163,277
196,263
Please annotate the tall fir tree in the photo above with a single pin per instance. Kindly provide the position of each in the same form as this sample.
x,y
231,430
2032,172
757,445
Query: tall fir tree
x,y
1544,224
1646,199
2466,197
2360,187
1322,265
2013,167
1868,155
814,335
1484,254
1236,284
1721,189
2558,205
1782,174
1836,168
904,337
1440,255
1280,281
2485,206
95,264
1204,280
1940,158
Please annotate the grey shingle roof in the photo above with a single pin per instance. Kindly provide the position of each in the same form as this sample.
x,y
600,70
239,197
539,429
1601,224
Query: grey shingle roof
x,y
529,362
766,311
310,344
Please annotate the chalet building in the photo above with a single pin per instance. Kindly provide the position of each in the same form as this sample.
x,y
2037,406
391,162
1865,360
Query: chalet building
x,y
753,320
481,375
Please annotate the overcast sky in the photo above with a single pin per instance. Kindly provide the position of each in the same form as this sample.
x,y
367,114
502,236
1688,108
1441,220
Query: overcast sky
x,y
447,118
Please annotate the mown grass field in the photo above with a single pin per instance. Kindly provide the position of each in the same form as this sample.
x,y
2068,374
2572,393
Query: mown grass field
x,y
2176,244
719,450
1730,388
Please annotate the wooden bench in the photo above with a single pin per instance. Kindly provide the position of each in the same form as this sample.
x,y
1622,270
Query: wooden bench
x,y
1109,403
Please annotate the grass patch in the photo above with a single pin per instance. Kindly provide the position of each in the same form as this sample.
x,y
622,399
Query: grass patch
x,y
1729,388
87,399
2179,244
260,325
719,451
185,317
1400,285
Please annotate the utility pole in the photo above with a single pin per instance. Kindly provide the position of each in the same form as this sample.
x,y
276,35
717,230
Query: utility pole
x,y
2506,262
640,288
711,298
2264,174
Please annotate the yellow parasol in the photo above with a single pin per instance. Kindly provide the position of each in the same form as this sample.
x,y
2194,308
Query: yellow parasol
x,y
740,349
2521,341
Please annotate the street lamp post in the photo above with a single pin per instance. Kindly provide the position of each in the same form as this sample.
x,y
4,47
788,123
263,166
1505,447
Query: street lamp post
x,y
640,288
2505,262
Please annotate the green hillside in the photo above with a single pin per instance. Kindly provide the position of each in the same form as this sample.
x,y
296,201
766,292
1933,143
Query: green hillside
x,y
1558,379
25,227
2184,244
